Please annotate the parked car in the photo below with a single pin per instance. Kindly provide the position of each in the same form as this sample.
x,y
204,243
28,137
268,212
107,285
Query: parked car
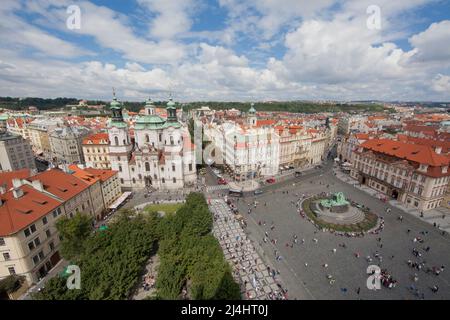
x,y
258,191
221,181
270,180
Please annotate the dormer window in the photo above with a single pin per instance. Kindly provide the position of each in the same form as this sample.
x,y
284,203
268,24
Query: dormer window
x,y
423,167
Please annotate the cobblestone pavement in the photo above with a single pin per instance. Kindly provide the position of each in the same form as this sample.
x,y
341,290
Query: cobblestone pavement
x,y
438,216
306,266
258,281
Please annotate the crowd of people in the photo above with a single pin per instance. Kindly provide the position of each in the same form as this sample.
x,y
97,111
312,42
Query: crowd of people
x,y
241,251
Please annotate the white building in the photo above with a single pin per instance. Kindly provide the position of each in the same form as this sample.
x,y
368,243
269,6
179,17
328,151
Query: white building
x,y
161,155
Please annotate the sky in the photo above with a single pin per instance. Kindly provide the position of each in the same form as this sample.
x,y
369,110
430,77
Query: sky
x,y
226,50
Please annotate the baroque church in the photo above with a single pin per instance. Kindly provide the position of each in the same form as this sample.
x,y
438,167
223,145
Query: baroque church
x,y
160,154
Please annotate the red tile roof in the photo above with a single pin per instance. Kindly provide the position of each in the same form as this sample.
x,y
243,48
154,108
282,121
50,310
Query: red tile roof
x,y
17,214
7,177
444,144
415,153
83,175
61,184
96,138
102,174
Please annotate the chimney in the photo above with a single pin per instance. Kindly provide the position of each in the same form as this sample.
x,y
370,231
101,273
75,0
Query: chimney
x,y
37,184
16,183
17,193
438,149
3,188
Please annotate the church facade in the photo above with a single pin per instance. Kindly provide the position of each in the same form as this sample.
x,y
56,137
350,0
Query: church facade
x,y
160,154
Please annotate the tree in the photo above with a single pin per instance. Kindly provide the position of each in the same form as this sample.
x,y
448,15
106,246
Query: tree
x,y
74,231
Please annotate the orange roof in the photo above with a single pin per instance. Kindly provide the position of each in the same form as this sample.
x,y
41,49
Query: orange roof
x,y
61,184
17,214
362,136
97,138
444,144
7,177
416,153
268,122
83,175
102,174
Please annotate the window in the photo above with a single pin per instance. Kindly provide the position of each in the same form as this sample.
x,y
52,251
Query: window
x,y
121,180
31,245
48,233
33,228
134,180
36,259
11,270
37,241
163,180
171,140
116,140
41,255
44,220
27,232
160,137
147,166
6,256
173,167
120,168
2,242
147,138
190,166
174,180
51,245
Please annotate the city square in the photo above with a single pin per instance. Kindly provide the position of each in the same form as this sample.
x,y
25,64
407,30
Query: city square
x,y
306,267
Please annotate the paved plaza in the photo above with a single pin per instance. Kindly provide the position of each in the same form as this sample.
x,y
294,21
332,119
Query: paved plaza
x,y
321,265
258,281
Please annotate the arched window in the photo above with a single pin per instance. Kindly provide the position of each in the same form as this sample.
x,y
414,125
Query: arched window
x,y
116,140
134,180
171,140
174,180
147,166
147,138
124,141
163,180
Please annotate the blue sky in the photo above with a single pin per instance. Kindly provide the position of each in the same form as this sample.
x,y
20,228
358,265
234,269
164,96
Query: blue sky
x,y
227,49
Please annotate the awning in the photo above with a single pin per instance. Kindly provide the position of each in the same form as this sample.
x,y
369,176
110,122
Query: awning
x,y
121,199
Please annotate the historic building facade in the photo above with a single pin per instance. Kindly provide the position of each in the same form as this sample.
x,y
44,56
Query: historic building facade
x,y
160,156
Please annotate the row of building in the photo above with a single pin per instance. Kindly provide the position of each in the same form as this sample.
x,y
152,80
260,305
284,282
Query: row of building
x,y
250,145
30,205
409,164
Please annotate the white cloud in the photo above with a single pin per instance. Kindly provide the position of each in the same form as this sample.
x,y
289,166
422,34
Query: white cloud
x,y
433,44
441,83
172,17
19,34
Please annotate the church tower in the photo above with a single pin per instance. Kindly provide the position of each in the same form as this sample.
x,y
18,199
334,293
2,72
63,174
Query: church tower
x,y
120,146
252,116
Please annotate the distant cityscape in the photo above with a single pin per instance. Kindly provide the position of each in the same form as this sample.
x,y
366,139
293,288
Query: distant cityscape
x,y
96,159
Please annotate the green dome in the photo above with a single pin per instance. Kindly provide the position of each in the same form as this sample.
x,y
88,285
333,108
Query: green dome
x,y
115,104
150,119
170,104
149,102
252,109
